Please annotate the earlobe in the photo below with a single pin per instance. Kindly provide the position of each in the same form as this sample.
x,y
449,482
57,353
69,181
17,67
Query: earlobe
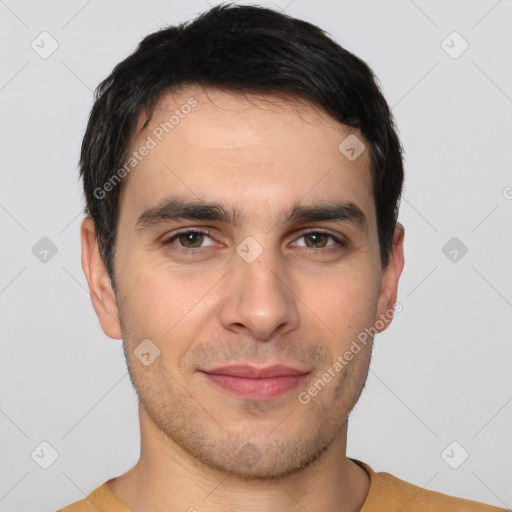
x,y
102,295
390,278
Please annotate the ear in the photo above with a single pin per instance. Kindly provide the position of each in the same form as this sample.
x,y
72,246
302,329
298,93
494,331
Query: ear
x,y
389,283
100,288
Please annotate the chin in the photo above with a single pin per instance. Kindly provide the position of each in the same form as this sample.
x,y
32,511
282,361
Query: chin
x,y
262,461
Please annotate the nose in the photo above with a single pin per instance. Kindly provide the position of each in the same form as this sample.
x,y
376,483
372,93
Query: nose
x,y
259,301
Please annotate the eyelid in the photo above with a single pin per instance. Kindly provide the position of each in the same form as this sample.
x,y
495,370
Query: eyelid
x,y
184,231
325,231
341,240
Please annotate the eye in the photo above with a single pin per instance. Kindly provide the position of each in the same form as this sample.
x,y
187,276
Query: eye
x,y
320,240
189,240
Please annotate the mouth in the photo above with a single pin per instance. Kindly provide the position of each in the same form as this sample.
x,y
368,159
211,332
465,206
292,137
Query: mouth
x,y
256,383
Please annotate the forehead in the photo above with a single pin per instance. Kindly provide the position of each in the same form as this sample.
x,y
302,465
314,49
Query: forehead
x,y
252,148
223,103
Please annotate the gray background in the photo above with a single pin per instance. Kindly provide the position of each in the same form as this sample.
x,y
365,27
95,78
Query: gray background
x,y
440,373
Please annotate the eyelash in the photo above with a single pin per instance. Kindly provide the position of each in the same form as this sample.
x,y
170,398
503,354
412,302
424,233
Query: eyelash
x,y
340,242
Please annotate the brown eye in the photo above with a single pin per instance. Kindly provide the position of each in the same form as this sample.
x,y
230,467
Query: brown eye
x,y
189,240
317,239
322,241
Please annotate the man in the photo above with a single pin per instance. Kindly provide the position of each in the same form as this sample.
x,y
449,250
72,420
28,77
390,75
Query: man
x,y
242,175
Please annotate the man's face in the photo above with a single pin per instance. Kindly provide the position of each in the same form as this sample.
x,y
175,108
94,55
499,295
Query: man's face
x,y
265,290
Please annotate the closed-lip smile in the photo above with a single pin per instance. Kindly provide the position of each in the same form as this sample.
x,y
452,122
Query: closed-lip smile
x,y
256,383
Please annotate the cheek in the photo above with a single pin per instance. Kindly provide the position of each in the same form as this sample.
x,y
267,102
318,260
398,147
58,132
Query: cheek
x,y
346,300
161,302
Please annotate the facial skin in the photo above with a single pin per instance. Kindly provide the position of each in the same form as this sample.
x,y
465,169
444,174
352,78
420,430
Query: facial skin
x,y
296,304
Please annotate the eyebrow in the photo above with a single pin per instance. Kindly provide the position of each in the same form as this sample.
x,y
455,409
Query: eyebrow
x,y
175,208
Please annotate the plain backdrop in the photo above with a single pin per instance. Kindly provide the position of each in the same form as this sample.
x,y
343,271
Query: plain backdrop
x,y
440,384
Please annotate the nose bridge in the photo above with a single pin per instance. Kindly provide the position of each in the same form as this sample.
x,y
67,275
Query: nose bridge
x,y
265,275
259,298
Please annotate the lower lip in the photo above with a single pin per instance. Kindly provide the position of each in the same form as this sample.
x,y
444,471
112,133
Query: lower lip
x,y
257,389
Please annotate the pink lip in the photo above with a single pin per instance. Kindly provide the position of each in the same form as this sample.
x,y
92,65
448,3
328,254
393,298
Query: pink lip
x,y
254,383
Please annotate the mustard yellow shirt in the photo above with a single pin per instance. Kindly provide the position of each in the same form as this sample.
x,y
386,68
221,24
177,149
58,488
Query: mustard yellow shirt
x,y
387,494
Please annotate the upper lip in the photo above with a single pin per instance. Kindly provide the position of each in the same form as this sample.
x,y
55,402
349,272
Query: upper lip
x,y
253,372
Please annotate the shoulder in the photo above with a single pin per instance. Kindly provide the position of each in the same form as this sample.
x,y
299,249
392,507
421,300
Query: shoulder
x,y
99,500
387,492
413,497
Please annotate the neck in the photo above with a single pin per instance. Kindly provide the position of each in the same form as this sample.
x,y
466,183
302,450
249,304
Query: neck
x,y
167,478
